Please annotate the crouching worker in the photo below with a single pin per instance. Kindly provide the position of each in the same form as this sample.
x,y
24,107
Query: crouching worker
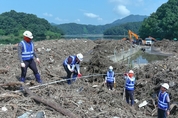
x,y
72,67
26,56
110,78
129,87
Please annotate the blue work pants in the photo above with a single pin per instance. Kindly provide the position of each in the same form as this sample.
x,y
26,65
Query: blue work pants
x,y
129,96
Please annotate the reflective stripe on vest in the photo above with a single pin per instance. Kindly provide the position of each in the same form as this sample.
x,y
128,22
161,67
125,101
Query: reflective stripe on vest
x,y
27,50
130,83
73,60
162,101
110,76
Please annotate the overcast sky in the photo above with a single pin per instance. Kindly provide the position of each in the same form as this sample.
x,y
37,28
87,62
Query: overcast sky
x,y
94,12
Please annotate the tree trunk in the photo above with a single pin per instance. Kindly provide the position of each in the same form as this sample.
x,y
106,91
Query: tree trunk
x,y
51,104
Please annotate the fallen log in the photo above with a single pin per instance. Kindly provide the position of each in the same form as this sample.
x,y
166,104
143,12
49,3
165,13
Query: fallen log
x,y
52,75
5,95
3,71
54,105
154,112
15,110
172,106
11,84
49,73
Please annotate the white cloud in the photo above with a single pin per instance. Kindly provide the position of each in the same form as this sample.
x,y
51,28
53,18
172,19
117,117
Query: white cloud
x,y
100,19
58,19
141,7
77,20
121,10
120,7
91,15
127,2
66,20
47,14
63,20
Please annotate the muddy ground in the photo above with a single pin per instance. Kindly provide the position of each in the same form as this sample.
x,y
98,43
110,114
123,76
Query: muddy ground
x,y
88,97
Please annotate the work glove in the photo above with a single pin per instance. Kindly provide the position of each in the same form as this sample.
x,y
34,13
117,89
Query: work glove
x,y
79,75
38,60
23,65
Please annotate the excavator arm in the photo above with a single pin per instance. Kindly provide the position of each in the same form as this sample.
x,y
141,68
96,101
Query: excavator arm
x,y
130,33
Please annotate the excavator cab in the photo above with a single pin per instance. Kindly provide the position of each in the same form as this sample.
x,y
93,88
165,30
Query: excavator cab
x,y
132,34
137,40
140,41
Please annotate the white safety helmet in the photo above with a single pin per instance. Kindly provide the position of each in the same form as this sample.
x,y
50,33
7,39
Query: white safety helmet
x,y
165,85
28,34
80,56
131,71
110,67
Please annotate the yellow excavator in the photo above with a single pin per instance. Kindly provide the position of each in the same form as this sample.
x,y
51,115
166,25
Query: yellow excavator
x,y
131,35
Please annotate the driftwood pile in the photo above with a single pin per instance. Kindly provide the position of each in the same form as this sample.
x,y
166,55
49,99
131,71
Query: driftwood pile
x,y
88,96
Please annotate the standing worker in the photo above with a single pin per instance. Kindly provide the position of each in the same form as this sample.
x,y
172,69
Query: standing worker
x,y
163,101
129,87
26,56
110,78
72,66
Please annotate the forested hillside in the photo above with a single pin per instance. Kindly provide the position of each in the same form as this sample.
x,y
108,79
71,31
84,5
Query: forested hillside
x,y
73,28
13,24
163,23
123,28
130,18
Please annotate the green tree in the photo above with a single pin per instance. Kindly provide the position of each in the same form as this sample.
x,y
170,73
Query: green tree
x,y
122,29
162,23
13,24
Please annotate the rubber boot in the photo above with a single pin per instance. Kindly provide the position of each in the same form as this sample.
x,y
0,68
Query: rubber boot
x,y
38,79
22,79
68,81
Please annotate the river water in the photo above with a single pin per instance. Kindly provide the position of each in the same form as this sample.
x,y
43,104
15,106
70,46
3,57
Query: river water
x,y
150,55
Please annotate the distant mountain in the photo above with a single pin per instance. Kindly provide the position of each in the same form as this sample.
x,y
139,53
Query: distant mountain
x,y
130,18
53,24
74,28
